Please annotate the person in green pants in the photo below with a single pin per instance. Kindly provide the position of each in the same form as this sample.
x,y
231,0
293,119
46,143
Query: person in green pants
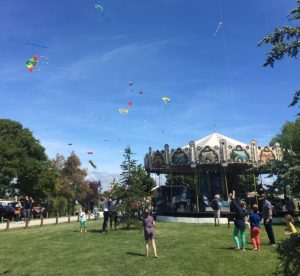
x,y
239,222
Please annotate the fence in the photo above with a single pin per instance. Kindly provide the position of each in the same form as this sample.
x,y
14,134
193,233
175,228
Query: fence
x,y
6,225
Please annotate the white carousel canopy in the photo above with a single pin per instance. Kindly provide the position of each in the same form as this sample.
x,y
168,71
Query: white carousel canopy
x,y
214,140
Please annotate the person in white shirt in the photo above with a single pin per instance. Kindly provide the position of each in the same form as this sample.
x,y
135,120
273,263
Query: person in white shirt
x,y
82,220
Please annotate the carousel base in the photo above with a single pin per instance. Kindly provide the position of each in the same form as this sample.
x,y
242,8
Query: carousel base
x,y
210,220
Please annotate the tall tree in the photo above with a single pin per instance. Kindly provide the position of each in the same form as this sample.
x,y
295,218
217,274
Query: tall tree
x,y
285,41
72,184
134,186
24,166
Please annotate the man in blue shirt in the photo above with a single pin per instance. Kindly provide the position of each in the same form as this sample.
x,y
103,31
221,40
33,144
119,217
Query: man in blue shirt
x,y
267,217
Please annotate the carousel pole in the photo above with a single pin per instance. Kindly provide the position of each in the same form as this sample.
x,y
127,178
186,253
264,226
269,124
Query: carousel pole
x,y
255,189
172,192
226,185
196,183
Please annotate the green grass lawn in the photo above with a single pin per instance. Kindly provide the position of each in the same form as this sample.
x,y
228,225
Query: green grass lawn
x,y
183,249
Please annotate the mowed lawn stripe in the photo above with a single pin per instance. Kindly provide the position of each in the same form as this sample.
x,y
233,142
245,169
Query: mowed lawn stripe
x,y
184,249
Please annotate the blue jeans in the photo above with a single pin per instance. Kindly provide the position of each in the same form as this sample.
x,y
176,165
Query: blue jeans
x,y
28,214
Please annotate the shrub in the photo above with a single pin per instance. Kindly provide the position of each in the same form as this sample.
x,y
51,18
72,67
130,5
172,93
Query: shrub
x,y
289,255
60,205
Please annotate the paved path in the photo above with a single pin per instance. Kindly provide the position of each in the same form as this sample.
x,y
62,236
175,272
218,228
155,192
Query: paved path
x,y
36,222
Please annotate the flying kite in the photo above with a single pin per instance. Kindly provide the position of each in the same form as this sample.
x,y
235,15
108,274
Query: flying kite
x,y
36,63
27,43
90,152
103,119
218,28
130,83
31,63
70,144
123,111
141,92
99,7
166,100
92,164
129,103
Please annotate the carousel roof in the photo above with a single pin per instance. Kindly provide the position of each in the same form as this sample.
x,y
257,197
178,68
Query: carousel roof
x,y
214,140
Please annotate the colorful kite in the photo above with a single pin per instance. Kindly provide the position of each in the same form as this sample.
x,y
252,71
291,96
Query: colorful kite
x,y
36,63
92,164
219,26
90,152
31,63
123,111
166,100
130,83
129,103
141,92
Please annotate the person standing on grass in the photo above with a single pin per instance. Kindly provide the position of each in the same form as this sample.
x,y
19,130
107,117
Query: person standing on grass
x,y
28,207
148,224
239,222
216,208
267,217
255,228
105,205
112,213
82,220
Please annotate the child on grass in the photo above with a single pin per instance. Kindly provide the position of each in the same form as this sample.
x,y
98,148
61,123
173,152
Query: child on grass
x,y
255,228
291,229
148,224
82,219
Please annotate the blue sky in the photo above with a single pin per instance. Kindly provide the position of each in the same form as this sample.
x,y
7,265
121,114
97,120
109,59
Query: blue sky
x,y
167,48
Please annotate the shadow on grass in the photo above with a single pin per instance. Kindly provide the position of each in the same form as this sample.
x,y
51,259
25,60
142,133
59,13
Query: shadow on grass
x,y
135,254
231,248
96,231
5,272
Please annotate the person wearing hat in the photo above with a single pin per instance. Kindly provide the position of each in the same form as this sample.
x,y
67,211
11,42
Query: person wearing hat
x,y
217,212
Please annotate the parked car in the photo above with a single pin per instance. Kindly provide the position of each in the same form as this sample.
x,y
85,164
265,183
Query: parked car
x,y
2,211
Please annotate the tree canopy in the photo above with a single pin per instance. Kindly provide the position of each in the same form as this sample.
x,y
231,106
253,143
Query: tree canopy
x,y
134,186
287,170
285,41
24,166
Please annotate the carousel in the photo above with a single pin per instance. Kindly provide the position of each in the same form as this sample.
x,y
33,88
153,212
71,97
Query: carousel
x,y
215,162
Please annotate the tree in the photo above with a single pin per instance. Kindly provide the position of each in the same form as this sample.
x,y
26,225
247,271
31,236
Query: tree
x,y
285,41
24,166
180,180
72,184
134,186
92,198
287,170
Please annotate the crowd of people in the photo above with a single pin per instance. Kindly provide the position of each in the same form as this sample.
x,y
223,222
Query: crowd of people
x,y
242,216
26,205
